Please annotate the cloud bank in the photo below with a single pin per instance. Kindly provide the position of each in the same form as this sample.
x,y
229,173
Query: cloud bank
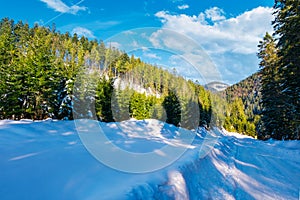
x,y
230,42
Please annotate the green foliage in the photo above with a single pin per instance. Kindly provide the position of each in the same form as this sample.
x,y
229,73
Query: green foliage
x,y
280,68
172,106
157,110
219,106
248,90
242,108
270,90
47,74
236,119
141,106
205,106
84,93
104,93
120,104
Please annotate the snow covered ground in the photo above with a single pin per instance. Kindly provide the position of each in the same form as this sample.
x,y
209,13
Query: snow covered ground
x,y
48,160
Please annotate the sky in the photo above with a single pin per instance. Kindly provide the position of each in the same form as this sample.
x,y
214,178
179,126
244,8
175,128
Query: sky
x,y
204,40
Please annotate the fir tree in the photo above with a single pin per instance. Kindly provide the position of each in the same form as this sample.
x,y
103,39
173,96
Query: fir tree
x,y
236,119
280,69
287,28
173,108
270,91
103,102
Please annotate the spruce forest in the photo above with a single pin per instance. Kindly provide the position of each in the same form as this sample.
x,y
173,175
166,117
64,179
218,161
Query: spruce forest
x,y
40,68
271,97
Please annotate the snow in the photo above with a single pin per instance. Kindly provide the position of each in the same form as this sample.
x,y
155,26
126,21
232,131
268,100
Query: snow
x,y
51,160
122,84
216,86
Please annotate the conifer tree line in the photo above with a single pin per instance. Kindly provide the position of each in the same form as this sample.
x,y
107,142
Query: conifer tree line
x,y
270,97
280,74
39,69
243,100
40,66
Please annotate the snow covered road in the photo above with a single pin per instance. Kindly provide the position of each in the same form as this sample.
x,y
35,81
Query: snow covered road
x,y
47,160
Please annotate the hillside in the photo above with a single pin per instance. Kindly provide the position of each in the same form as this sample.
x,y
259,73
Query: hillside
x,y
243,108
48,160
47,74
249,91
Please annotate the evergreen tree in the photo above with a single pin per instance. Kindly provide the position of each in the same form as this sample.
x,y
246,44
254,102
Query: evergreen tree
x,y
287,28
218,106
270,91
64,104
140,106
281,74
157,110
172,106
103,102
204,106
8,98
120,104
236,120
48,74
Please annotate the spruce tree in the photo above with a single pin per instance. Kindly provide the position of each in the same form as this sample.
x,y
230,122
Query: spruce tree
x,y
173,108
103,102
7,69
287,28
270,91
236,119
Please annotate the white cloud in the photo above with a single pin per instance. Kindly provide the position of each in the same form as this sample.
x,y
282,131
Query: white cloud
x,y
215,14
83,32
240,34
233,39
185,49
183,7
61,7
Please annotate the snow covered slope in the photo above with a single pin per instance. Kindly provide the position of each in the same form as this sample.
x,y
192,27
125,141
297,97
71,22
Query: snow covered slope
x,y
47,160
216,86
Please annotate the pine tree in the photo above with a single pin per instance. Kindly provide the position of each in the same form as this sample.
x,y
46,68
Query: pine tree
x,y
218,106
7,68
204,106
120,104
236,119
42,76
47,74
173,108
63,104
271,100
103,105
139,106
287,28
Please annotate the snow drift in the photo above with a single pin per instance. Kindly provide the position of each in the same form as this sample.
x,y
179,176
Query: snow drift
x,y
47,160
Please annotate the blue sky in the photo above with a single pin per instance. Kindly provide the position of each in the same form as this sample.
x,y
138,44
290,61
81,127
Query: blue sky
x,y
225,31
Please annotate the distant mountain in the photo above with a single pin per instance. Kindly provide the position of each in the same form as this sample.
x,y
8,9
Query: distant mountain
x,y
216,86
